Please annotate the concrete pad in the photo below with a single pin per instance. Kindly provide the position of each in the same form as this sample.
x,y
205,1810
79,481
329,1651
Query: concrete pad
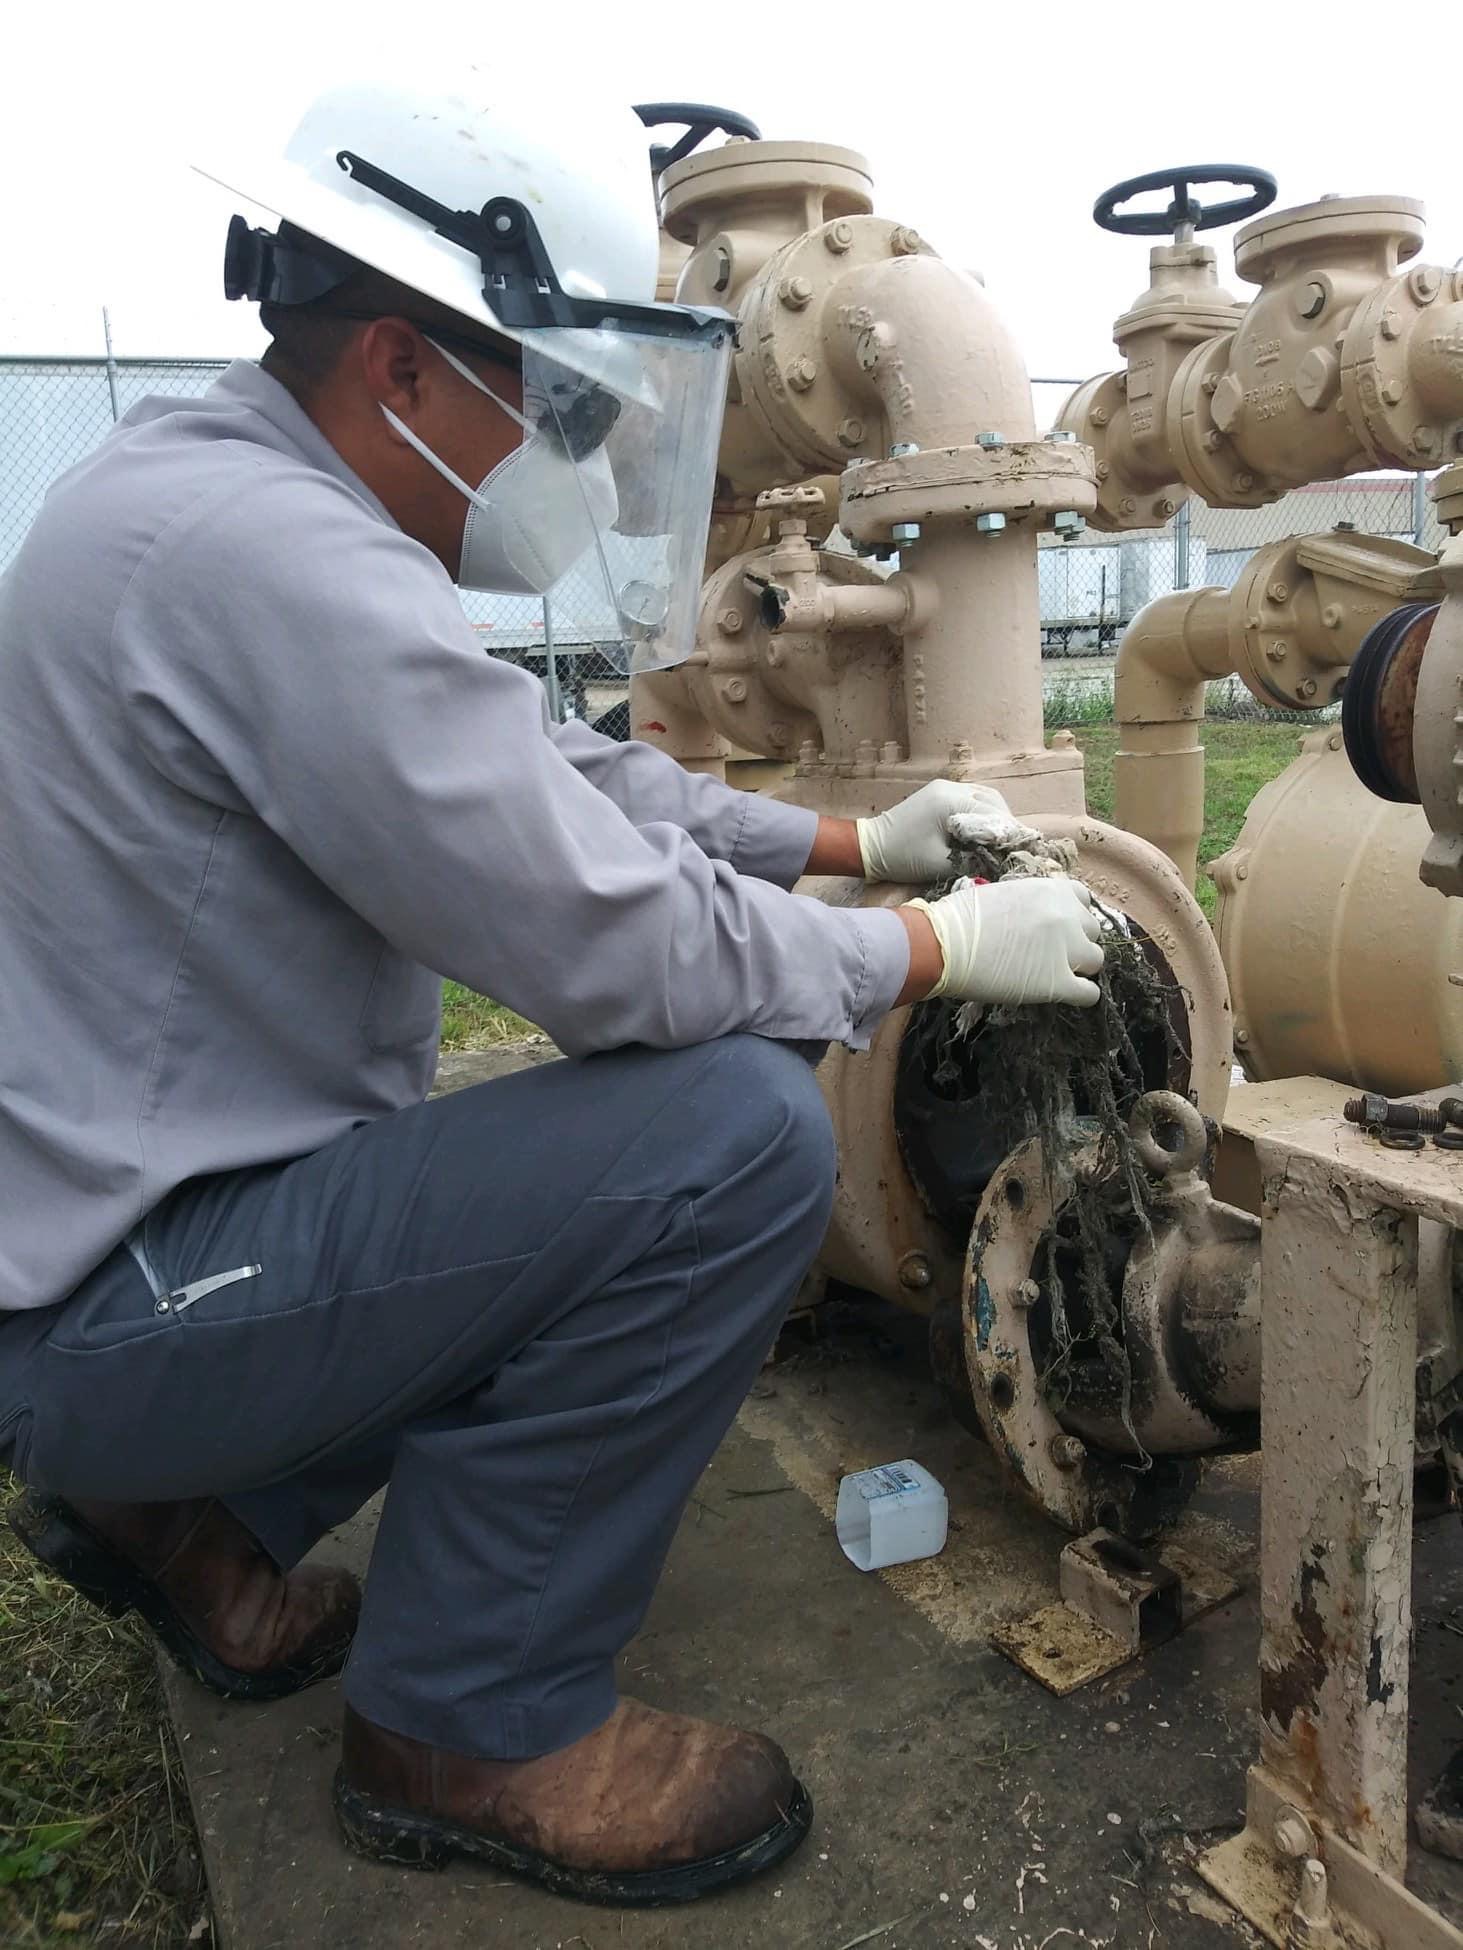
x,y
958,1803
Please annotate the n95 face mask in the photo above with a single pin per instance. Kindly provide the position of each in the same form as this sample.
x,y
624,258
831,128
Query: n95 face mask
x,y
535,515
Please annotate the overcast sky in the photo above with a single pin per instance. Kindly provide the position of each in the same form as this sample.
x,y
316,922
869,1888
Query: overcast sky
x,y
989,129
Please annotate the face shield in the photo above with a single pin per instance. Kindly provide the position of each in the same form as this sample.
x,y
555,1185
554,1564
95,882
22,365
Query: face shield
x,y
638,416
623,402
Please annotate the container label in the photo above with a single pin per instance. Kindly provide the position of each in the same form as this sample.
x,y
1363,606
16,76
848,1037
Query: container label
x,y
888,1480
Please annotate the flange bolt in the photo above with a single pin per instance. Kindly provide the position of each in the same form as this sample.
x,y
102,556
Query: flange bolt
x,y
1379,1113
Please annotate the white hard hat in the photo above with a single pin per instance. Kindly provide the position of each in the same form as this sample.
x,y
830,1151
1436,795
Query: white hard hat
x,y
548,240
455,151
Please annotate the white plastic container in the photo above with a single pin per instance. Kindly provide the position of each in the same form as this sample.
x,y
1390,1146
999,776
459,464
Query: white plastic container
x,y
891,1515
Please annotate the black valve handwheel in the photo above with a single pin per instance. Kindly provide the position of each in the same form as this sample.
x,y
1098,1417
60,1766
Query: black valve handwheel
x,y
1185,208
701,120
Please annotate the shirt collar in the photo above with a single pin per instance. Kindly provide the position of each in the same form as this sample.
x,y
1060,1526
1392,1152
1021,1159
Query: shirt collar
x,y
252,387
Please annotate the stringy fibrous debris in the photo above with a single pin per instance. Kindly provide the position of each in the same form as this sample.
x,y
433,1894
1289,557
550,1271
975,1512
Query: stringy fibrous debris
x,y
1067,1076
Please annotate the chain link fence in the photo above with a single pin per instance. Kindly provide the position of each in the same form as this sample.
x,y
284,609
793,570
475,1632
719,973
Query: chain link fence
x,y
54,411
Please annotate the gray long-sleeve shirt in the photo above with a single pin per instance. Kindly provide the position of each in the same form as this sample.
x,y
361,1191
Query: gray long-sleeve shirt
x,y
260,789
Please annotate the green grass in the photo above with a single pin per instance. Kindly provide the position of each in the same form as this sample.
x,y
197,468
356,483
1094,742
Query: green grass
x,y
473,1022
96,1840
96,1844
1239,759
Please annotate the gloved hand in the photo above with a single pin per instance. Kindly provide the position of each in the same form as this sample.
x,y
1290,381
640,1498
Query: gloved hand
x,y
1017,941
912,840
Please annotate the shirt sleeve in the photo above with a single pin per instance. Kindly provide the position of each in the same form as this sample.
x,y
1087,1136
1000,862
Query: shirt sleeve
x,y
756,835
284,651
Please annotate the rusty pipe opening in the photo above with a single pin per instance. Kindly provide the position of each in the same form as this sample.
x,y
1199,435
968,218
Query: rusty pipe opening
x,y
1380,702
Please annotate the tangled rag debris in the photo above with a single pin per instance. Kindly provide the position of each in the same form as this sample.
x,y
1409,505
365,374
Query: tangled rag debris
x,y
1066,1077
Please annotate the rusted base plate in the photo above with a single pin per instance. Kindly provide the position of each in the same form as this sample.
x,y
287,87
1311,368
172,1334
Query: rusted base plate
x,y
1370,1910
1065,1648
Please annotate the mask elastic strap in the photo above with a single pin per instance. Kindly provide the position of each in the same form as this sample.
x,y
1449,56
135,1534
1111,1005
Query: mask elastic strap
x,y
432,460
482,385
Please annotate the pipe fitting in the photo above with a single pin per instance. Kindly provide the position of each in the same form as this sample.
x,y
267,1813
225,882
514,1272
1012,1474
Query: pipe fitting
x,y
1292,623
1341,363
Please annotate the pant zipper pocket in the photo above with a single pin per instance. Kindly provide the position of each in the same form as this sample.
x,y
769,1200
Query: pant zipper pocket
x,y
183,1297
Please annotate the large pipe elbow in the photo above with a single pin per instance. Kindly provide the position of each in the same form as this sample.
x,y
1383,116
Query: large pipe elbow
x,y
937,354
1169,652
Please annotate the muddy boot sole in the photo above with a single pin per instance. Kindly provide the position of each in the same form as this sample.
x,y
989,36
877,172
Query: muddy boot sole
x,y
417,1841
55,1535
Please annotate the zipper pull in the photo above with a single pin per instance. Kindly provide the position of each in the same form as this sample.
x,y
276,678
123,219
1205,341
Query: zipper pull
x,y
183,1297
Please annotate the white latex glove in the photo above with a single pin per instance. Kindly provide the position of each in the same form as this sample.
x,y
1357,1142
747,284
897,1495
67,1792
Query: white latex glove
x,y
912,840
1018,941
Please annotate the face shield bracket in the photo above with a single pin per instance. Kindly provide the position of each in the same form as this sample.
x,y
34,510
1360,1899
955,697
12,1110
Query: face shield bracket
x,y
520,284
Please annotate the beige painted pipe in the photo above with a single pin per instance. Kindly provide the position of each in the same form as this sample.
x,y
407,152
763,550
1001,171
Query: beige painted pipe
x,y
944,363
946,368
972,670
1170,651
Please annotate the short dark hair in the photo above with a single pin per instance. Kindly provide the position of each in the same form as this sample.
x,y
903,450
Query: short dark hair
x,y
307,342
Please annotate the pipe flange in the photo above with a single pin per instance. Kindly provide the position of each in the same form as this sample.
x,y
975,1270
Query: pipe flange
x,y
1275,657
1402,370
1205,406
1335,224
785,366
1446,495
1028,481
1000,1299
1092,414
1380,705
1437,735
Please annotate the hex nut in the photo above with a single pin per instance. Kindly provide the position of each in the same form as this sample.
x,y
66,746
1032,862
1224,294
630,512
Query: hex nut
x,y
904,532
905,242
801,374
1229,402
1293,1835
914,1271
989,524
796,293
1067,1451
850,432
838,237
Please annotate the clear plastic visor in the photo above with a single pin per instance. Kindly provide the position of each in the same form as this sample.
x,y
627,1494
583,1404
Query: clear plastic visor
x,y
648,409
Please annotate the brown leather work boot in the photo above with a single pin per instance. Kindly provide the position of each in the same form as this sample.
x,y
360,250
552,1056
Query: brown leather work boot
x,y
648,1809
213,1595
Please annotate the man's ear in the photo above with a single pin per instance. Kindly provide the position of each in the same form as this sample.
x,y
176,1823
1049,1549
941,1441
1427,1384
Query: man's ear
x,y
391,354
